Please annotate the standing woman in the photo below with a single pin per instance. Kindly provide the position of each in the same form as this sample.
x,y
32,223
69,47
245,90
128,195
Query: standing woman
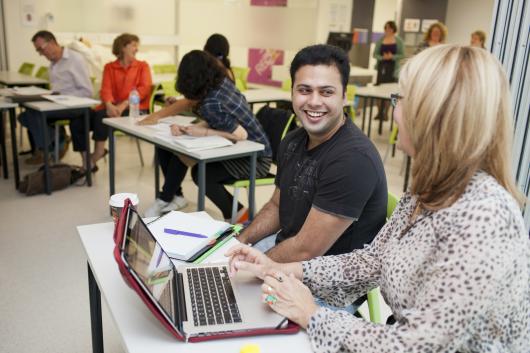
x,y
478,39
388,53
224,112
453,261
435,35
120,77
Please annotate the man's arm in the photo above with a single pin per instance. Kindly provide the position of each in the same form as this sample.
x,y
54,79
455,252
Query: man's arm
x,y
267,221
319,232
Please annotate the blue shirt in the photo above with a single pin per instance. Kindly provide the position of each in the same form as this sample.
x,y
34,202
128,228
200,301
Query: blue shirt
x,y
224,108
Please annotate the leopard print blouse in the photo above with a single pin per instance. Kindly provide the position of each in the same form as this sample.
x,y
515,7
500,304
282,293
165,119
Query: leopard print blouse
x,y
458,279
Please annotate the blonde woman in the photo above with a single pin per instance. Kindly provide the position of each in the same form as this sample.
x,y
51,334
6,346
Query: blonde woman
x,y
453,262
435,35
478,39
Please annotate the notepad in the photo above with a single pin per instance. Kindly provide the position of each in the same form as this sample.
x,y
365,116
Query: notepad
x,y
180,246
70,101
30,91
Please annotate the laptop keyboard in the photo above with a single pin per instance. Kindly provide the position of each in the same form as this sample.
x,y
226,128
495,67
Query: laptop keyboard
x,y
212,297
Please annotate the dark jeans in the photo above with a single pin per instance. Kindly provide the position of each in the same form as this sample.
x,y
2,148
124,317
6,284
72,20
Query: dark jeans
x,y
32,120
100,131
216,174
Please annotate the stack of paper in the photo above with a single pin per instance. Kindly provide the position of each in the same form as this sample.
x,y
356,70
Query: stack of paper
x,y
30,91
71,101
201,143
182,235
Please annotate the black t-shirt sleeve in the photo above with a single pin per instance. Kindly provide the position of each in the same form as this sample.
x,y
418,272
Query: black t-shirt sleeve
x,y
346,184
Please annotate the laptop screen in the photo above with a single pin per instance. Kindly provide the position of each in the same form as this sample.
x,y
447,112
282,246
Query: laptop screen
x,y
150,264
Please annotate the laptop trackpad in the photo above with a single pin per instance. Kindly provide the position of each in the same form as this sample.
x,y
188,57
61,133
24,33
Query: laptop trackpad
x,y
254,312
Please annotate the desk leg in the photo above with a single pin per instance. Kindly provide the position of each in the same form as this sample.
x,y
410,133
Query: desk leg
x,y
95,313
252,187
13,126
382,104
111,160
202,185
364,112
86,117
3,145
370,117
47,179
157,174
407,174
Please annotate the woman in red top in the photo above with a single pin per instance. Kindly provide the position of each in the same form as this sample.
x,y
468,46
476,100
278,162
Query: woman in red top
x,y
120,77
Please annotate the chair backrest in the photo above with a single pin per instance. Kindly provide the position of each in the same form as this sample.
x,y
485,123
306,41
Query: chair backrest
x,y
165,68
26,68
286,85
391,204
42,73
276,123
350,96
240,76
168,87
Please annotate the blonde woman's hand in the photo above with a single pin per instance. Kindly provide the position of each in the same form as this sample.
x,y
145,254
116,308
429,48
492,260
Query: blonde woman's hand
x,y
289,297
244,257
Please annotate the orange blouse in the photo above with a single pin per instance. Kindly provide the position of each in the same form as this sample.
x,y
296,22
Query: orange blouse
x,y
119,81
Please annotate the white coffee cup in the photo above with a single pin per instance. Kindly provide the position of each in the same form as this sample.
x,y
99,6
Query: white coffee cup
x,y
116,202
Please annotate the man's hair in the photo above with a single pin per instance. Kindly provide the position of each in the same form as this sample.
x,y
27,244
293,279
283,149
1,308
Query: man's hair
x,y
392,25
199,73
441,27
322,54
218,46
456,110
122,41
46,35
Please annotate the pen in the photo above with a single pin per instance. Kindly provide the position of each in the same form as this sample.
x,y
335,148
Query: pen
x,y
181,232
281,323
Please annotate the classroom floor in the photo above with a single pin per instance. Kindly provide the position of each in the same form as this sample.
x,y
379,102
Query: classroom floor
x,y
43,279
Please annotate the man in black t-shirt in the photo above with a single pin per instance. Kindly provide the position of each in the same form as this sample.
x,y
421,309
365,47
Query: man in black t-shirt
x,y
331,193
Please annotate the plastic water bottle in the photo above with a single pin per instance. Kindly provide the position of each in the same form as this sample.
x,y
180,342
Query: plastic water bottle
x,y
134,104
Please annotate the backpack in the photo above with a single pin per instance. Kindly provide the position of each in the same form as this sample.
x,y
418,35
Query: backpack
x,y
61,176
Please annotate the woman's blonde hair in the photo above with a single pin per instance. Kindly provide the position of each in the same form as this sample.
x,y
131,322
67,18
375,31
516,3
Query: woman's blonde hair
x,y
456,109
441,27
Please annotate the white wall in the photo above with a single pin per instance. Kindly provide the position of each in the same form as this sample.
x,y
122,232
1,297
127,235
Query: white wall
x,y
156,19
465,16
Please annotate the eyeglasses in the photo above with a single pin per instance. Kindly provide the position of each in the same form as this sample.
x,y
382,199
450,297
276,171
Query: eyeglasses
x,y
42,47
394,99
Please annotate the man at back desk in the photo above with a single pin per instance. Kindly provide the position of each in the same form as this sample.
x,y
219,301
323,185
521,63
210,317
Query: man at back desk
x,y
331,192
69,75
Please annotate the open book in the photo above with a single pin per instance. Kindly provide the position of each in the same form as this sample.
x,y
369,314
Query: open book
x,y
182,235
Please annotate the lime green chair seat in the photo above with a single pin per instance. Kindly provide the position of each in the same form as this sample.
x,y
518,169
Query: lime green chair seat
x,y
26,69
350,96
165,68
43,73
374,309
286,85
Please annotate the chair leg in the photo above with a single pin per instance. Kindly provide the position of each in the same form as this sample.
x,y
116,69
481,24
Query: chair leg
x,y
234,205
140,152
373,306
56,149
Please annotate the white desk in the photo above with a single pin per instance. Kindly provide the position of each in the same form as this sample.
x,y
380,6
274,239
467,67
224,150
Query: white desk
x,y
266,95
240,149
47,108
10,108
11,78
159,78
140,331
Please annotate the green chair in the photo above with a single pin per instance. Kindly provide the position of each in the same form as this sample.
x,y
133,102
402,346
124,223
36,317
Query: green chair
x,y
240,76
42,73
391,142
350,96
374,310
286,85
245,183
26,69
165,68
